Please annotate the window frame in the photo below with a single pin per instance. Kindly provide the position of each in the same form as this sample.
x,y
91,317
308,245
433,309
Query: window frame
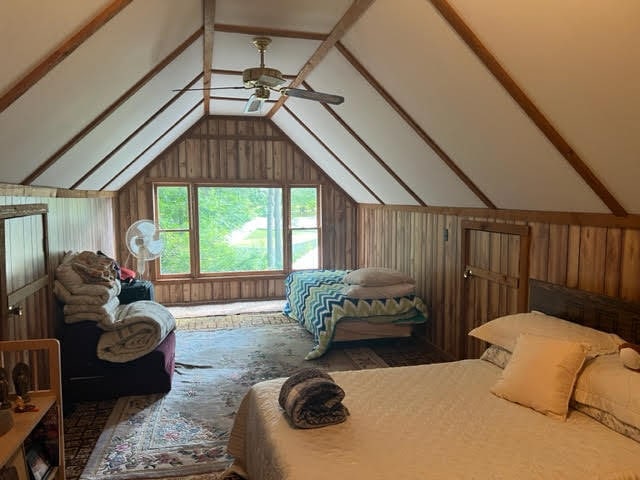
x,y
194,225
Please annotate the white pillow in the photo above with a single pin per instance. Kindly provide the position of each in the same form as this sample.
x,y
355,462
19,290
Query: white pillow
x,y
503,331
384,291
541,374
607,385
376,277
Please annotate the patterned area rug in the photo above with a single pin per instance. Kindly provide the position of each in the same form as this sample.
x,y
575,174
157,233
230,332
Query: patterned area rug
x,y
185,431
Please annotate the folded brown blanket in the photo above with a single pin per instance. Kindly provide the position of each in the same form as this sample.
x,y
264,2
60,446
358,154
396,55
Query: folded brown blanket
x,y
311,399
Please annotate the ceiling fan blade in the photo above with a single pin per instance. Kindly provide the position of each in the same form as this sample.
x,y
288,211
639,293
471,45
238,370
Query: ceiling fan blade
x,y
317,96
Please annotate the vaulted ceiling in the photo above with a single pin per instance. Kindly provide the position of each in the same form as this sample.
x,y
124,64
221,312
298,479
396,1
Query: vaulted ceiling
x,y
528,105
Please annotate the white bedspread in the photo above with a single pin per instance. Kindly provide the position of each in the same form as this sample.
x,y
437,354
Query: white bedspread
x,y
138,328
426,422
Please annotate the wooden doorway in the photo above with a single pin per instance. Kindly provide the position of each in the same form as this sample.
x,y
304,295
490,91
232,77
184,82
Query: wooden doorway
x,y
26,308
495,261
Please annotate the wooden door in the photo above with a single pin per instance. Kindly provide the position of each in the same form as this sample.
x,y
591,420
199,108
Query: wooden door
x,y
495,261
26,309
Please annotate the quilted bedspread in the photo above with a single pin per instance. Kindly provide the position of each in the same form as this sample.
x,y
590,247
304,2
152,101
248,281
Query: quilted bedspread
x,y
315,299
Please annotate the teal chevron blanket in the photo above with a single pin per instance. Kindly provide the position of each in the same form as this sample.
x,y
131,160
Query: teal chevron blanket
x,y
315,299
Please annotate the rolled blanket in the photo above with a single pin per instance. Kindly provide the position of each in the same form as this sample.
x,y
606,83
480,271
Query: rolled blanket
x,y
311,399
139,327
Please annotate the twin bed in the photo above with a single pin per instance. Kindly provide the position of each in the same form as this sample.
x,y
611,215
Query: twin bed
x,y
473,418
332,309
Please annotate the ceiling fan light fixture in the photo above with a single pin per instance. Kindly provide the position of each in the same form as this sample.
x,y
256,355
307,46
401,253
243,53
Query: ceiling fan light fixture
x,y
254,104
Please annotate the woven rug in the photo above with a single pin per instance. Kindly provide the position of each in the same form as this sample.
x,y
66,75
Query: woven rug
x,y
185,431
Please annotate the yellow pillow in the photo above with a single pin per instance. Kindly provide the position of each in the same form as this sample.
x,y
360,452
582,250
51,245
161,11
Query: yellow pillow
x,y
541,374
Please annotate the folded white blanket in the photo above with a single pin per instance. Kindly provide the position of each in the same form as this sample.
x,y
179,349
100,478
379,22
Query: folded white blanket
x,y
100,296
76,285
108,309
139,327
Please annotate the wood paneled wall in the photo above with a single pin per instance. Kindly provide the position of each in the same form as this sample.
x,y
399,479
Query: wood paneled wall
x,y
597,258
238,151
73,224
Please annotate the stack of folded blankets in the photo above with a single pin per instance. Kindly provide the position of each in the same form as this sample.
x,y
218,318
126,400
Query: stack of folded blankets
x,y
311,399
378,282
87,284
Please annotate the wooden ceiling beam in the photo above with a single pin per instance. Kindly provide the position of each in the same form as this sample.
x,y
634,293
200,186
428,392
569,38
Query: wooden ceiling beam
x,y
351,16
65,49
332,153
135,132
369,150
413,124
112,108
521,98
269,32
164,134
208,20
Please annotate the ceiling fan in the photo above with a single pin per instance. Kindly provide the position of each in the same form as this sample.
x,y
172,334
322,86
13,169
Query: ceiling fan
x,y
263,80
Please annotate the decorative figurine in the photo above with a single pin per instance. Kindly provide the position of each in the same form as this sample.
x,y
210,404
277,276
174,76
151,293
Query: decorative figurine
x,y
4,390
22,380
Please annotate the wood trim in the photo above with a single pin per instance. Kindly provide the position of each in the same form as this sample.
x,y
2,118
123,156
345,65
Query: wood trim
x,y
123,169
113,107
532,111
495,227
11,190
355,11
208,15
414,125
332,153
20,294
4,306
134,133
63,50
559,218
371,152
26,210
269,32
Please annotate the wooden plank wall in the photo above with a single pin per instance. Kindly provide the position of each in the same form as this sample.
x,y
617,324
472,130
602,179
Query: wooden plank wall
x,y
74,224
600,259
237,151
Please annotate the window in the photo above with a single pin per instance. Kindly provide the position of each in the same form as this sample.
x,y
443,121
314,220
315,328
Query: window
x,y
240,229
237,229
304,228
174,223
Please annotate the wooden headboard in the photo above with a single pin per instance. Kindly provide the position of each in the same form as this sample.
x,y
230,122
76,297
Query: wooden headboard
x,y
601,312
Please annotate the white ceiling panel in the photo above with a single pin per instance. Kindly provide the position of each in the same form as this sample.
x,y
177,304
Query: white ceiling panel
x,y
588,87
319,154
125,120
387,134
157,147
458,102
352,153
31,30
97,73
306,15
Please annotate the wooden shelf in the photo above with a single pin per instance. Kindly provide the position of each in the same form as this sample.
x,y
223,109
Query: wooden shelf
x,y
24,423
47,400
